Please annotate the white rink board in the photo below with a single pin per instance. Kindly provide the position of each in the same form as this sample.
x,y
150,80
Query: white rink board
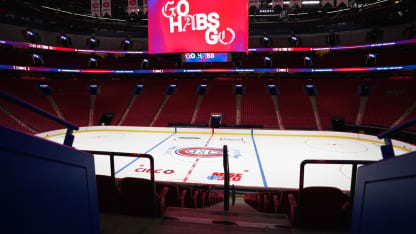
x,y
259,158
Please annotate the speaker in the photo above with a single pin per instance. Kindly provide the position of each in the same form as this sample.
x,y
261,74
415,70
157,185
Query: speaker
x,y
338,124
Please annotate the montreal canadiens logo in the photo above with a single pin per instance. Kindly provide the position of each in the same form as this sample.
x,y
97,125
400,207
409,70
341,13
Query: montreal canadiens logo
x,y
200,152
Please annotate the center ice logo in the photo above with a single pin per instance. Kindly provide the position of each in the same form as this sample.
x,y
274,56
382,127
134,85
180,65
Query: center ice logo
x,y
199,152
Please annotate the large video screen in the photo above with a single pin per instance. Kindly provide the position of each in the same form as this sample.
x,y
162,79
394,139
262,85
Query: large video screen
x,y
180,26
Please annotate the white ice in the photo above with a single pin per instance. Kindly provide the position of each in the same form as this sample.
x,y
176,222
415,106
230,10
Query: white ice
x,y
186,156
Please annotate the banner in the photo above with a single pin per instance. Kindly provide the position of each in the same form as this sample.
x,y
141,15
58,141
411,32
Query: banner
x,y
324,2
339,2
176,26
292,3
106,8
255,3
95,8
277,2
144,6
132,6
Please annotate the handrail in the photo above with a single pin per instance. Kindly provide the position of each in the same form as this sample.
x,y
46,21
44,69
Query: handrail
x,y
69,138
387,149
312,161
393,130
113,178
226,179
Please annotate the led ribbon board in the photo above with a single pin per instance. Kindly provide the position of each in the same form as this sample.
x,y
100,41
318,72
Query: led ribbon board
x,y
205,57
180,26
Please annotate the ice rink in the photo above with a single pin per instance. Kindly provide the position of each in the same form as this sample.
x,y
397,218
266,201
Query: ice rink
x,y
258,158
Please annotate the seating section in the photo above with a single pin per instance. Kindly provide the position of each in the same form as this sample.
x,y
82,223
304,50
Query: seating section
x,y
180,105
220,98
134,196
147,103
8,121
73,99
412,116
29,92
321,207
257,106
388,100
113,97
295,106
391,98
337,98
273,201
137,197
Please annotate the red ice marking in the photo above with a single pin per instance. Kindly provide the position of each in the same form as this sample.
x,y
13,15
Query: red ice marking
x,y
197,159
245,170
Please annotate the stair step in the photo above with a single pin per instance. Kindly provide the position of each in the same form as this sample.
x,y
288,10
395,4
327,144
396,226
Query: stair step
x,y
240,219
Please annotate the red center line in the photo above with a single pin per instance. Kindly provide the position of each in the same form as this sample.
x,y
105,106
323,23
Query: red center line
x,y
197,159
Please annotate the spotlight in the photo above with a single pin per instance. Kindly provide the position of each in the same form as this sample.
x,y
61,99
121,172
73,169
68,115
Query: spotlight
x,y
126,44
92,63
266,40
202,89
272,89
293,41
307,61
92,88
37,60
365,90
310,90
138,89
63,40
144,64
370,60
267,62
238,89
171,89
45,89
31,36
92,43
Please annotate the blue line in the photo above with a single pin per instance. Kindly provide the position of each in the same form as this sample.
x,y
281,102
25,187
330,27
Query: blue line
x,y
258,160
134,160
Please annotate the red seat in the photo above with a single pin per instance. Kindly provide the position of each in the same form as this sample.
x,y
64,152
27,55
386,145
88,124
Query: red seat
x,y
107,194
139,198
321,207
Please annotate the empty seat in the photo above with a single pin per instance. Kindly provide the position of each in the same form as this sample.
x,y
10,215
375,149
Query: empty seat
x,y
321,207
139,198
107,194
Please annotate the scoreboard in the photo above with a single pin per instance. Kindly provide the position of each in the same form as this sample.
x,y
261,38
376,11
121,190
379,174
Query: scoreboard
x,y
205,57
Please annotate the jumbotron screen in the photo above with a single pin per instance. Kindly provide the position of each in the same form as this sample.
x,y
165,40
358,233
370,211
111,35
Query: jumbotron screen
x,y
180,26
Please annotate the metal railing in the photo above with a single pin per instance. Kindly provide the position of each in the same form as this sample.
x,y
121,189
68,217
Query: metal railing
x,y
113,178
354,164
387,149
226,179
69,138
